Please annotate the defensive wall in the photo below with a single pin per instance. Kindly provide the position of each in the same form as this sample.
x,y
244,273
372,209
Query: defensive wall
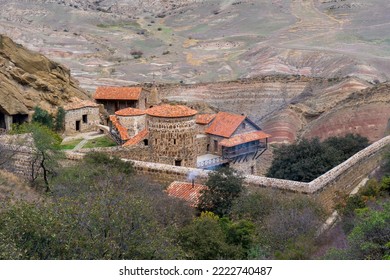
x,y
326,189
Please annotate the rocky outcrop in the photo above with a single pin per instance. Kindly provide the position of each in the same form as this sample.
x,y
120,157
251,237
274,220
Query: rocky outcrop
x,y
28,79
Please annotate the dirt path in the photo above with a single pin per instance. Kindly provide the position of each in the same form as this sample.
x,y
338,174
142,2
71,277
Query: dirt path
x,y
311,24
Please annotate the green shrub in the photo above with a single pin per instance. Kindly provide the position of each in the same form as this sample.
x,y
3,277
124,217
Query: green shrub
x,y
43,117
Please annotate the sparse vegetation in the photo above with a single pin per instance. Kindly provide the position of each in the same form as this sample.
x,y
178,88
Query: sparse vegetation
x,y
136,54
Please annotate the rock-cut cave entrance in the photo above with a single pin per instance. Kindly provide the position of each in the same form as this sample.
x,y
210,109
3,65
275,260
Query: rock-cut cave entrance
x,y
2,120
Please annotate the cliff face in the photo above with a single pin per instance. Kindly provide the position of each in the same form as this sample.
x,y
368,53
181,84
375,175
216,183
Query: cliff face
x,y
28,79
291,107
366,112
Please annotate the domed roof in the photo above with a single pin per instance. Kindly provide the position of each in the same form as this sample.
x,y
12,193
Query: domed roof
x,y
130,112
171,111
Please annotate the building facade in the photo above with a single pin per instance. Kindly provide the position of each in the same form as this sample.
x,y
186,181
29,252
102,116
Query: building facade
x,y
172,134
81,116
116,98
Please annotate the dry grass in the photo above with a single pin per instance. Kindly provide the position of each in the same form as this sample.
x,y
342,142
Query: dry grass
x,y
13,189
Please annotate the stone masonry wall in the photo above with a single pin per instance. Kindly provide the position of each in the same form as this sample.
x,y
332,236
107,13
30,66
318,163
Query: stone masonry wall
x,y
19,160
326,189
72,116
134,124
173,139
201,144
141,153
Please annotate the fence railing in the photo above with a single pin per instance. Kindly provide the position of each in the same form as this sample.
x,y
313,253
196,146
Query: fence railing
x,y
211,162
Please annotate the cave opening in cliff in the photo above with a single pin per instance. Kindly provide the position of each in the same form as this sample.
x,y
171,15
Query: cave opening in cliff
x,y
2,120
19,118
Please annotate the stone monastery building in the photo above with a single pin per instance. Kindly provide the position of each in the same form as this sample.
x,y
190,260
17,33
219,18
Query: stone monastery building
x,y
180,136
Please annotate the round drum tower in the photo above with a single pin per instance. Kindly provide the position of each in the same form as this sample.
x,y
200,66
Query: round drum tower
x,y
172,133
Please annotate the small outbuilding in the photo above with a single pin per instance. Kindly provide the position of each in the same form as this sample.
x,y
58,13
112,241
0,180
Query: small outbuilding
x,y
81,116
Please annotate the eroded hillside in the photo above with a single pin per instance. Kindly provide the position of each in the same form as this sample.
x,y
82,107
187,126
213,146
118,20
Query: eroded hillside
x,y
293,107
204,41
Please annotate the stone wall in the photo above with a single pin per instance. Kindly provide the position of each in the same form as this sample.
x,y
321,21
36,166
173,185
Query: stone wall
x,y
141,153
249,166
89,124
134,124
173,139
326,189
18,160
202,141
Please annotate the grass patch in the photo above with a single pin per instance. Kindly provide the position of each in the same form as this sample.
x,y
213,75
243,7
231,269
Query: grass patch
x,y
69,145
100,143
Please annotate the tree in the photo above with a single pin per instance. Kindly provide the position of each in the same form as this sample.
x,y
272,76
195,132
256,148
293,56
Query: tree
x,y
45,153
209,237
43,117
308,159
60,120
223,186
370,236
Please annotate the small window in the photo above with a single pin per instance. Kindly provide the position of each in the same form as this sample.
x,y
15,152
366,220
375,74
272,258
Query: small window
x,y
146,142
85,118
244,125
174,141
178,162
77,125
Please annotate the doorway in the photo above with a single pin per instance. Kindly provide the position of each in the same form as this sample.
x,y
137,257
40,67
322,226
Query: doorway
x,y
77,125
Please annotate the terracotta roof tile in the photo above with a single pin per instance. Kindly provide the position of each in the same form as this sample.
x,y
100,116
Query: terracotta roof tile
x,y
224,124
187,191
120,128
76,103
204,118
130,112
171,111
244,138
137,138
118,93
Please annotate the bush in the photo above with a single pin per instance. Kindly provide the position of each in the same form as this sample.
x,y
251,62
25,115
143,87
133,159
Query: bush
x,y
136,54
110,163
43,117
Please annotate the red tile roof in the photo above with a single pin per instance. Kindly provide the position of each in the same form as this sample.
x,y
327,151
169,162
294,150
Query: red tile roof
x,y
137,138
204,118
171,111
130,112
120,128
224,124
244,138
187,191
77,103
118,93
